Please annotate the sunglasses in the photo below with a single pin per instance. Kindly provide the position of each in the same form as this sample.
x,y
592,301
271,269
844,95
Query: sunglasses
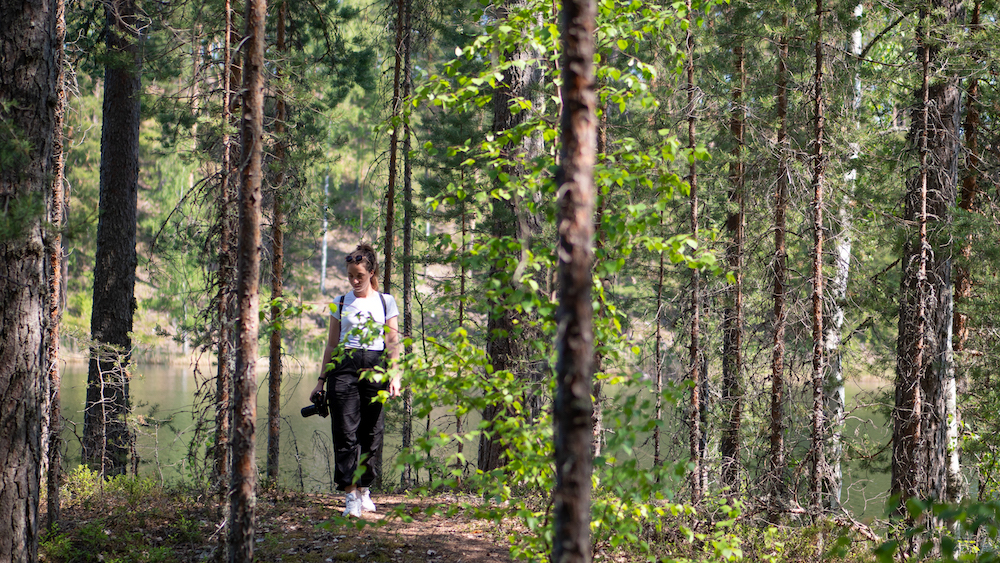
x,y
351,259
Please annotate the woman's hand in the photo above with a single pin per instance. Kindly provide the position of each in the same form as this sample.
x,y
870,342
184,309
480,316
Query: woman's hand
x,y
317,391
395,386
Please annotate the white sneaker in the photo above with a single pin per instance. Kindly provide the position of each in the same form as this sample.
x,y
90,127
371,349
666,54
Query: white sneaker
x,y
366,500
352,505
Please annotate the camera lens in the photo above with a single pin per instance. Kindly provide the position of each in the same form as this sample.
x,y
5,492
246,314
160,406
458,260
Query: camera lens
x,y
316,408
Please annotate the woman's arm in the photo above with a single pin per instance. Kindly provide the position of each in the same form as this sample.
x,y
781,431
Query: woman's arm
x,y
392,346
331,343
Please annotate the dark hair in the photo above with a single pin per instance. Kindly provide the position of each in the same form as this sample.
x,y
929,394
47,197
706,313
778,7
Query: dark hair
x,y
365,254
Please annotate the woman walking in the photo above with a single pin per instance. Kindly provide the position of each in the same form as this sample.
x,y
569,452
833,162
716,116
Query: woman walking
x,y
366,322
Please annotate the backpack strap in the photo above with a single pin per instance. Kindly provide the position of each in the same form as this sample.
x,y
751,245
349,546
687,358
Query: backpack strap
x,y
381,296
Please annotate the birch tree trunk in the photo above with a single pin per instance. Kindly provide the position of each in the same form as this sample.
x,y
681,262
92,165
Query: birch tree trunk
x,y
575,338
835,396
968,201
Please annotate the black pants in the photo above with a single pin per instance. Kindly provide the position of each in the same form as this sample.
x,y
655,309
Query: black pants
x,y
357,420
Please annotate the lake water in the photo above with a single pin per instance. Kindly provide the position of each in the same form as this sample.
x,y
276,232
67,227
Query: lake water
x,y
865,489
163,397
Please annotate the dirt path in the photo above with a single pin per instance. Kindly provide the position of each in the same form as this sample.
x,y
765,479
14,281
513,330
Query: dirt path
x,y
302,529
295,527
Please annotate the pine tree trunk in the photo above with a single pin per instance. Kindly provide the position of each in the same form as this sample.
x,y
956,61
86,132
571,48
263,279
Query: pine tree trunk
x,y
598,418
502,345
407,477
575,339
390,193
968,201
817,467
694,414
777,488
107,440
52,411
277,269
325,244
908,411
244,472
397,108
225,297
462,275
970,192
29,94
732,331
658,358
924,354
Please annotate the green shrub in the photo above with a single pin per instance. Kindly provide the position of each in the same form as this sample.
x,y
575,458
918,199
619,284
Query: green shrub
x,y
966,531
55,546
80,486
132,489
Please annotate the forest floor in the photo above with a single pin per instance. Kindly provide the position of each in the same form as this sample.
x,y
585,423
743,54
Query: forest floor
x,y
304,528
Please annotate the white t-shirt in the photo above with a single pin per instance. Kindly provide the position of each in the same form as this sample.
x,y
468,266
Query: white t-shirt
x,y
354,319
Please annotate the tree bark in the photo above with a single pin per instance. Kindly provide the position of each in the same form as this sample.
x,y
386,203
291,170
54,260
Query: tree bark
x,y
658,358
226,290
835,395
390,193
502,345
397,108
29,98
225,297
694,414
969,193
818,462
52,412
244,471
325,244
277,269
107,439
575,337
599,238
968,201
408,243
924,354
777,455
732,331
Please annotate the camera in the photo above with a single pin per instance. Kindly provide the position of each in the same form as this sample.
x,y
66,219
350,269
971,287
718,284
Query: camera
x,y
319,407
